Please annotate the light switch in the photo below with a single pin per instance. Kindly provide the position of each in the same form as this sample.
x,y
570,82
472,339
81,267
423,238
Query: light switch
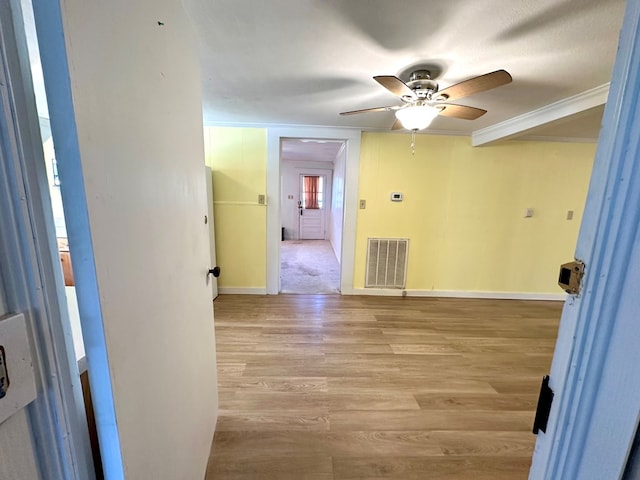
x,y
528,213
363,204
261,199
569,214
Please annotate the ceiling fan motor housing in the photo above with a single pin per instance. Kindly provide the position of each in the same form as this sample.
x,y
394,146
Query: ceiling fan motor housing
x,y
422,85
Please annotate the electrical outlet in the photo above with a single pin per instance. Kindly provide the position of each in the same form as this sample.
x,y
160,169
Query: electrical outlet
x,y
261,199
363,204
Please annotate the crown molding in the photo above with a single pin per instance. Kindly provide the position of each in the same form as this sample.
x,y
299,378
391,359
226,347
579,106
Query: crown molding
x,y
522,124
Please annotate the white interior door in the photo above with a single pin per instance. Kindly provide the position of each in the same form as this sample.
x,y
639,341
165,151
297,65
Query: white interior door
x,y
212,277
312,207
135,202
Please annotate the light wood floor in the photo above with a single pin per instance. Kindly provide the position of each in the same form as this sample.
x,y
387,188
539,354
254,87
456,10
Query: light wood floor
x,y
331,387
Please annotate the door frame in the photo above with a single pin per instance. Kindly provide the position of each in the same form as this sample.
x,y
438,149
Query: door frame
x,y
594,415
351,139
34,280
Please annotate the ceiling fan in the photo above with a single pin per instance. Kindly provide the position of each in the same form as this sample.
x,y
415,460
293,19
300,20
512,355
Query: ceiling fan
x,y
423,101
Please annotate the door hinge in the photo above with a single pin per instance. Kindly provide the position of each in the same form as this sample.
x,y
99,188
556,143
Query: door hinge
x,y
544,407
570,278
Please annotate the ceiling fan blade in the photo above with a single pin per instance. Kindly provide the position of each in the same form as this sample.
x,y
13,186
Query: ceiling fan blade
x,y
461,111
397,125
476,85
366,110
395,86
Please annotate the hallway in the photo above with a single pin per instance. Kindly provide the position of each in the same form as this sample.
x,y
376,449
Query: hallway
x,y
308,266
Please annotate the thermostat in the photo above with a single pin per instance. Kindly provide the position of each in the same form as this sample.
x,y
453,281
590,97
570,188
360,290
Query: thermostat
x,y
396,197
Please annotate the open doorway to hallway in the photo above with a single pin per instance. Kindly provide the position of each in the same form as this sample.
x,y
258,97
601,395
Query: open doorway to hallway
x,y
312,199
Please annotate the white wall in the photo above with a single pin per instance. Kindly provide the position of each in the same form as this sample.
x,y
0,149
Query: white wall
x,y
137,107
291,171
337,203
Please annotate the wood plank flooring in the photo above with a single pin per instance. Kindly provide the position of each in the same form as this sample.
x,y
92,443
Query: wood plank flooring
x,y
346,388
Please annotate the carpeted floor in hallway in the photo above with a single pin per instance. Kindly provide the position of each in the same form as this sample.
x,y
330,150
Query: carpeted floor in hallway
x,y
308,266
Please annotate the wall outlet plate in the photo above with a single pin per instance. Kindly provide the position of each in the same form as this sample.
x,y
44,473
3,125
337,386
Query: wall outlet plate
x,y
20,389
396,196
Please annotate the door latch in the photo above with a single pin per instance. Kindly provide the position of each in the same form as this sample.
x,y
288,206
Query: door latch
x,y
544,407
570,278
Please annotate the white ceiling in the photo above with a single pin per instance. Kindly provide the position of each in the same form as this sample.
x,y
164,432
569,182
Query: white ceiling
x,y
310,150
301,62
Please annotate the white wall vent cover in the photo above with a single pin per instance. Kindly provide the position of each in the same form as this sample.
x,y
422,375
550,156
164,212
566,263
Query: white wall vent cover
x,y
387,263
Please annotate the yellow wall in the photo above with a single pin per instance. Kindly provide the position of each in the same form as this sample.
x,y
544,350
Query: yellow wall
x,y
238,159
463,209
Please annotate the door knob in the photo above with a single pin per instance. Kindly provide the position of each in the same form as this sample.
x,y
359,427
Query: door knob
x,y
215,271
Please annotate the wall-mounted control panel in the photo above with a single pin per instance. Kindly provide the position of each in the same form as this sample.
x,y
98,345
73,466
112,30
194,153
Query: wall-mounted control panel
x,y
397,196
17,381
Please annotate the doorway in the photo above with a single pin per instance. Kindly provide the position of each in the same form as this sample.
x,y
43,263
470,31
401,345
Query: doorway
x,y
312,215
349,190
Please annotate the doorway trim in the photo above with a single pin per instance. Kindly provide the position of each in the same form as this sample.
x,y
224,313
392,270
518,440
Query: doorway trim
x,y
351,137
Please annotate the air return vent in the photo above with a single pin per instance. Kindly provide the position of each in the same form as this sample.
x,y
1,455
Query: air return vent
x,y
387,262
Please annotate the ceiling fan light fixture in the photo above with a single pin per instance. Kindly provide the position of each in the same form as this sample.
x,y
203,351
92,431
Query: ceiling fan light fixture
x,y
417,117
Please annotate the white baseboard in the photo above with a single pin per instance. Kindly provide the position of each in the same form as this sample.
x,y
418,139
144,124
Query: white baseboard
x,y
392,292
242,290
456,294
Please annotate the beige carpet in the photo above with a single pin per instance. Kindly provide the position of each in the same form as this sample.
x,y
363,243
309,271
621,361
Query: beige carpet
x,y
308,266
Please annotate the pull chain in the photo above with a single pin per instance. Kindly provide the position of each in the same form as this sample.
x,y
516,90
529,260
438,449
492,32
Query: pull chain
x,y
413,142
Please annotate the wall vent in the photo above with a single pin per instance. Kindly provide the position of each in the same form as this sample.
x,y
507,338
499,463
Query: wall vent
x,y
387,262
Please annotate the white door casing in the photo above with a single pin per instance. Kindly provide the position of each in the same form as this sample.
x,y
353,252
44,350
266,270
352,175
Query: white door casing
x,y
274,213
